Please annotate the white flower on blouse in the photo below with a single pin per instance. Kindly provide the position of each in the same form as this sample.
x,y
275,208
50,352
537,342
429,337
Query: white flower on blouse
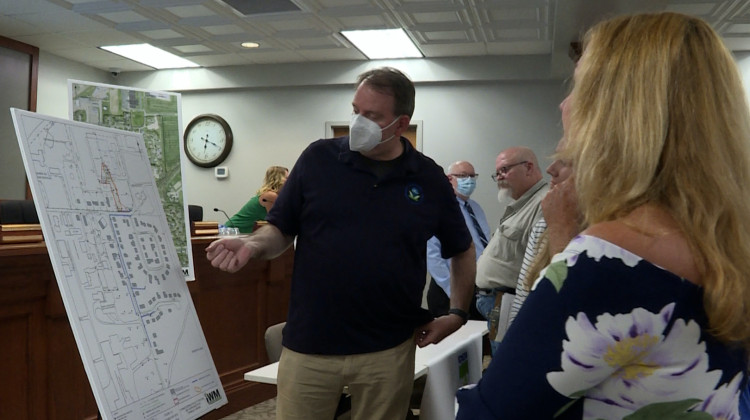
x,y
624,362
723,404
595,248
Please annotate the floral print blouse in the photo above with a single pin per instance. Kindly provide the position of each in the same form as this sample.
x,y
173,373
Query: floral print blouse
x,y
607,335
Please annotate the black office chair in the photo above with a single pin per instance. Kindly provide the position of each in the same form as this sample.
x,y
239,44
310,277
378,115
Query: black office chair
x,y
18,212
195,213
272,337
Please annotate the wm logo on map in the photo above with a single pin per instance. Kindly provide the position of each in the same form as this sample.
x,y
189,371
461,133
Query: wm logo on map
x,y
212,396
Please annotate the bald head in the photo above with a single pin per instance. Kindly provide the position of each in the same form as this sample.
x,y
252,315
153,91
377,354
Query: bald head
x,y
461,166
517,170
457,170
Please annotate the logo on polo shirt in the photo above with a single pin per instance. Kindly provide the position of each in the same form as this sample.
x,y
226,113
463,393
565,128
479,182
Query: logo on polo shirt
x,y
414,193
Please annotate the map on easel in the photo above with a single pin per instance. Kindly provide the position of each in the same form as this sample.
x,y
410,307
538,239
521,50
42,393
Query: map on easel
x,y
117,268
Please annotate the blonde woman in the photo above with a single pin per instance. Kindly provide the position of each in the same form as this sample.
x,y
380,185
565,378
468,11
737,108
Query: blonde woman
x,y
645,314
257,207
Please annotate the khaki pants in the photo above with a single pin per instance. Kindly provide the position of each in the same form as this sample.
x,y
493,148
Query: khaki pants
x,y
380,383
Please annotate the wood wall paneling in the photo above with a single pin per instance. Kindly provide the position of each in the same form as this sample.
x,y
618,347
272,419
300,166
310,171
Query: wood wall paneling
x,y
19,65
45,378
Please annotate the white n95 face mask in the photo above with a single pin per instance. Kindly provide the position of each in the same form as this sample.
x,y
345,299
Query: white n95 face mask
x,y
365,134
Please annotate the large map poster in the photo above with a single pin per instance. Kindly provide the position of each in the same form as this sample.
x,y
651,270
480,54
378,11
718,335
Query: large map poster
x,y
117,269
156,115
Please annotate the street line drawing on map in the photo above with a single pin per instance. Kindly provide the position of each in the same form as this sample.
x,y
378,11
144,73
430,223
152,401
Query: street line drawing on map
x,y
158,116
118,271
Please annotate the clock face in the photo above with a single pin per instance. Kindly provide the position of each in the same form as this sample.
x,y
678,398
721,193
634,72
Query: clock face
x,y
208,140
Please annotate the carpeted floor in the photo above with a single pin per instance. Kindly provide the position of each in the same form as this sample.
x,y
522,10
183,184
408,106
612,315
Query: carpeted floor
x,y
263,411
267,409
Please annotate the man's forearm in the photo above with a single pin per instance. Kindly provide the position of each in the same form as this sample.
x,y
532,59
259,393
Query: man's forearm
x,y
463,273
268,242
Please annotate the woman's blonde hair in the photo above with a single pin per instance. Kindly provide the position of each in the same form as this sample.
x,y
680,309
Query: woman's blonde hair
x,y
658,116
274,179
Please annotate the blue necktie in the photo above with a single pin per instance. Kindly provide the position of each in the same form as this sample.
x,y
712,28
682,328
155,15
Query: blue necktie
x,y
476,224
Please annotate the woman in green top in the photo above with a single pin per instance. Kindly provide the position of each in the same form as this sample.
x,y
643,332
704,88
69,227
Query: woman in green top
x,y
258,206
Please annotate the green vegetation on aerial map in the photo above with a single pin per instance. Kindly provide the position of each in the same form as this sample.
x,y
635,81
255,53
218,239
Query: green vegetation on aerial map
x,y
156,116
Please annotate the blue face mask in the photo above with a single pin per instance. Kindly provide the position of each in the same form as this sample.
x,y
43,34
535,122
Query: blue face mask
x,y
466,186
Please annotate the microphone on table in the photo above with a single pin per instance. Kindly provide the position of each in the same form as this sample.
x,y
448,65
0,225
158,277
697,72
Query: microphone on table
x,y
220,210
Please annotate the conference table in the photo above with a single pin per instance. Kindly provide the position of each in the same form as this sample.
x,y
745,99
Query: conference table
x,y
454,362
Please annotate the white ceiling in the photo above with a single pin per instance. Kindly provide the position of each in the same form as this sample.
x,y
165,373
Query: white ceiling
x,y
209,32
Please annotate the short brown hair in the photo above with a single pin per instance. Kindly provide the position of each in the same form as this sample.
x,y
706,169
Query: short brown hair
x,y
390,81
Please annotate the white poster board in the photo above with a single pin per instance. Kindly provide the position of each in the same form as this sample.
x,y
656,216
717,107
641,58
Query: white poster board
x,y
118,271
158,116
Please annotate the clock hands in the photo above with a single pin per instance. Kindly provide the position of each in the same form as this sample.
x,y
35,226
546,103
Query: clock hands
x,y
206,142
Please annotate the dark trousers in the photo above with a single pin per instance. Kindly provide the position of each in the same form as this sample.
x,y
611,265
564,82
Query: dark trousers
x,y
438,303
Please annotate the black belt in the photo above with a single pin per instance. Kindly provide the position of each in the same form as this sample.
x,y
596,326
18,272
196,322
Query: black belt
x,y
501,289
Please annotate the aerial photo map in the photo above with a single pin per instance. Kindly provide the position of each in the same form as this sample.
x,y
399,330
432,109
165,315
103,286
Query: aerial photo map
x,y
156,115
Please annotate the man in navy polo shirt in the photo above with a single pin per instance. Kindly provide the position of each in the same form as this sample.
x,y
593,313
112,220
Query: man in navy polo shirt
x,y
362,208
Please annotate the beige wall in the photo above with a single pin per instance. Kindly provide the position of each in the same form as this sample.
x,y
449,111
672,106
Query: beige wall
x,y
472,120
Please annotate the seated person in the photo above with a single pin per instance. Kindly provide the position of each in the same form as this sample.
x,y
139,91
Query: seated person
x,y
257,207
267,199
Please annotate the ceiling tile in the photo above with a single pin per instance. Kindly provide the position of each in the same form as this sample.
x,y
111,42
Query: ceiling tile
x,y
60,22
212,20
364,22
13,27
123,17
101,6
223,29
209,31
106,37
162,34
695,9
146,25
190,11
197,48
437,17
447,36
344,3
249,8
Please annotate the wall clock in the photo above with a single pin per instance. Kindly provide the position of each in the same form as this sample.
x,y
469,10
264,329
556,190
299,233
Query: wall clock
x,y
208,140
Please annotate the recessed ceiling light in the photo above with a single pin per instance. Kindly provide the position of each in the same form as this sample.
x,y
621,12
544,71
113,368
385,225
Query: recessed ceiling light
x,y
383,43
250,45
149,55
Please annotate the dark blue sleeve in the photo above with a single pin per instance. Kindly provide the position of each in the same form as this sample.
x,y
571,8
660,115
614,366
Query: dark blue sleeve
x,y
745,403
285,213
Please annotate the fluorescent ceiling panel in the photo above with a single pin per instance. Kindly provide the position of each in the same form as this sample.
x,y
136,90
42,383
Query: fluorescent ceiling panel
x,y
151,56
383,43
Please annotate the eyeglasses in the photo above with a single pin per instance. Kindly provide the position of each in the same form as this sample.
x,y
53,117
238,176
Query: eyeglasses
x,y
462,176
505,169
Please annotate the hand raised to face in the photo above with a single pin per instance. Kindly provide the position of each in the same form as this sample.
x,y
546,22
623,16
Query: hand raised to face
x,y
560,209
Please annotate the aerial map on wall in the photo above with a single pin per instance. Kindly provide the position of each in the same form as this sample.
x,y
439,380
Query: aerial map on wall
x,y
117,268
156,115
